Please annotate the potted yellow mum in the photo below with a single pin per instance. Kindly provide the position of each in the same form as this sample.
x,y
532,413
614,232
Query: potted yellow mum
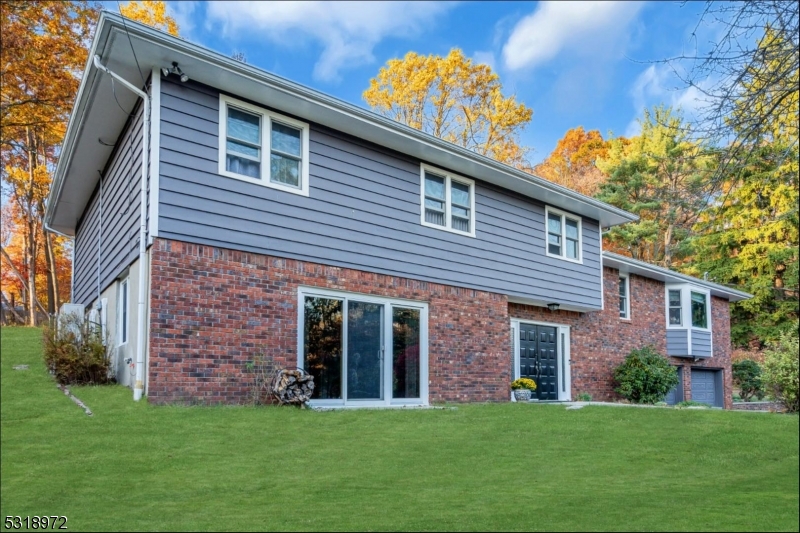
x,y
523,388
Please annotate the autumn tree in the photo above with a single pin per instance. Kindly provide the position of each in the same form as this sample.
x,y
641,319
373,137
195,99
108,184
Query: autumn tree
x,y
44,46
454,99
749,237
662,176
150,12
572,163
757,45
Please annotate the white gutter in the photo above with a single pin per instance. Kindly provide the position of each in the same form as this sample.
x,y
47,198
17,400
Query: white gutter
x,y
138,387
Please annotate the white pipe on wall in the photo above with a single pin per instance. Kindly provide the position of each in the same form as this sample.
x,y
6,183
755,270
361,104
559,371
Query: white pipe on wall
x,y
138,387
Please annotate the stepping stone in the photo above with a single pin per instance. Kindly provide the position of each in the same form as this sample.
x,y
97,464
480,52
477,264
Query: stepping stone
x,y
21,367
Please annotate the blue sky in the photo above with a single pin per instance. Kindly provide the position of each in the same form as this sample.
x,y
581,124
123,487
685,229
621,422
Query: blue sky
x,y
576,64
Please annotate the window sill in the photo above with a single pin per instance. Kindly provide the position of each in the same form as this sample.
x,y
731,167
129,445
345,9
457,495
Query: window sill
x,y
449,230
561,257
265,183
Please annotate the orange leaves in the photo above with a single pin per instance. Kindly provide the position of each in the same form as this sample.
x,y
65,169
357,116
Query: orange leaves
x,y
572,163
453,99
152,13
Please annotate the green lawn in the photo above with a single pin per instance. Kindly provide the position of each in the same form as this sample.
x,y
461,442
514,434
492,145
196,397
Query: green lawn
x,y
476,467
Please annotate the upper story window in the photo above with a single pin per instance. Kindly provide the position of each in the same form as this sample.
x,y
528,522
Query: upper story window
x,y
262,147
563,235
699,310
448,201
688,307
624,298
675,308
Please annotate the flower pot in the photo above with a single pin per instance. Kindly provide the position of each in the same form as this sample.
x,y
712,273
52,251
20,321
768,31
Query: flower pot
x,y
522,395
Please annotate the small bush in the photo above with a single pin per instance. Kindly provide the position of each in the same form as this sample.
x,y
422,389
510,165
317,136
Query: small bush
x,y
692,403
747,376
75,352
584,397
523,383
645,376
780,374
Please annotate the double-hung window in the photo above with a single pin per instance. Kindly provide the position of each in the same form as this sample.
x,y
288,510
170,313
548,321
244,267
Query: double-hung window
x,y
448,201
699,310
563,235
675,308
262,147
624,298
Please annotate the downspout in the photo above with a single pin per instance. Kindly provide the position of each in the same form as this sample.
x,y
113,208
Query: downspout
x,y
138,387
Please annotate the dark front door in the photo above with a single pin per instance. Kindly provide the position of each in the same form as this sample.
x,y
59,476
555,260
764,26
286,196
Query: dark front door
x,y
538,359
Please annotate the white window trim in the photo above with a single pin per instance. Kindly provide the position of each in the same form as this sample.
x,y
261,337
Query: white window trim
x,y
627,278
266,131
563,214
564,370
448,178
125,285
686,306
389,303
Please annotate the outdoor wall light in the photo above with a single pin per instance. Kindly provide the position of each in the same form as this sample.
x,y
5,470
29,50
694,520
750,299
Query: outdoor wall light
x,y
553,307
175,69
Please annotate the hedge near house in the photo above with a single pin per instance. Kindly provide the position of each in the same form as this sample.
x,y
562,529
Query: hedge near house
x,y
645,376
747,376
781,371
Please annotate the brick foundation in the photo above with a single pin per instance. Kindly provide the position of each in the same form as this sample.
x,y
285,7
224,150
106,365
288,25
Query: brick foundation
x,y
600,341
213,310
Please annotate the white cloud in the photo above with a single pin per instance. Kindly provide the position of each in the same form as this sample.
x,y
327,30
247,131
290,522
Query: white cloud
x,y
347,31
183,13
591,29
657,84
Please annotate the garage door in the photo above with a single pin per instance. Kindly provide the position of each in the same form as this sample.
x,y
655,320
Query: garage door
x,y
704,386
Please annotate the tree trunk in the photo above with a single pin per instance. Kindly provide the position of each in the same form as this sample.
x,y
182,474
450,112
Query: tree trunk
x,y
668,246
30,250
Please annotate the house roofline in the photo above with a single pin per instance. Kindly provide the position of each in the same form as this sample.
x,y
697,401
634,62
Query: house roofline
x,y
634,266
432,146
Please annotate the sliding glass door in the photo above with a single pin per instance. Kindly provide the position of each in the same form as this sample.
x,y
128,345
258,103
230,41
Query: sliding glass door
x,y
363,350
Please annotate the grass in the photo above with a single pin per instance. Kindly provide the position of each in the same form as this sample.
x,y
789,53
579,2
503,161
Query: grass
x,y
476,467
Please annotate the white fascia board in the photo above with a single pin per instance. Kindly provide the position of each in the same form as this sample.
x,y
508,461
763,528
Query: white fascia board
x,y
640,268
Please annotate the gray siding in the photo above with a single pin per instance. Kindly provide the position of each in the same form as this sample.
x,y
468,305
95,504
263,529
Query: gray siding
x,y
701,343
114,243
677,342
363,213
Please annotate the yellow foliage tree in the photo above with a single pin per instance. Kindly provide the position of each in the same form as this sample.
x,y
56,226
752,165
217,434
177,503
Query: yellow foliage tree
x,y
454,99
43,49
150,12
572,163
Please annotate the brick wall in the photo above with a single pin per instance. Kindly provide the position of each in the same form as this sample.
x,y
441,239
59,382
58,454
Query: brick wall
x,y
600,341
213,309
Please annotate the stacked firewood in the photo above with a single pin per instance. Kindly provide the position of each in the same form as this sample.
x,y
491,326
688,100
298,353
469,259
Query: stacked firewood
x,y
292,386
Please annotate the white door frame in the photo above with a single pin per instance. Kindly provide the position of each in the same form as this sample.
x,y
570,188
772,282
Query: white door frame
x,y
564,362
389,304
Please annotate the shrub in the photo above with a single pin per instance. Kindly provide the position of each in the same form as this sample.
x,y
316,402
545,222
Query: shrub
x,y
747,376
523,383
691,403
780,374
75,352
584,397
645,376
